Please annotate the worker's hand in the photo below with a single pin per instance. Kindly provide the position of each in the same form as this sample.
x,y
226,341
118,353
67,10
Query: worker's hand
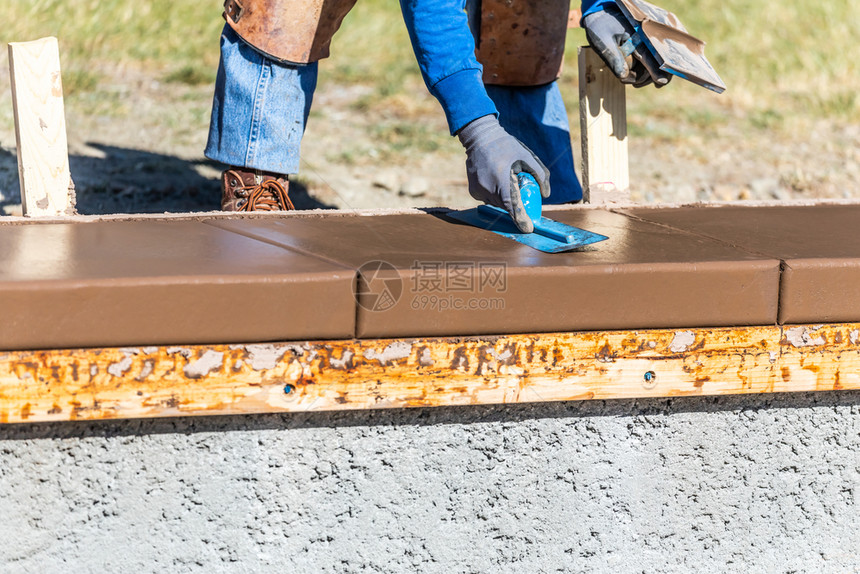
x,y
493,160
607,30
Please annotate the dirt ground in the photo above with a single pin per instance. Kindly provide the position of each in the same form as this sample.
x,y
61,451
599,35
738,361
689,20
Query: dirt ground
x,y
140,150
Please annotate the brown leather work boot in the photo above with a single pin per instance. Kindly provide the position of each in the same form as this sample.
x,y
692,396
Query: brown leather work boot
x,y
247,189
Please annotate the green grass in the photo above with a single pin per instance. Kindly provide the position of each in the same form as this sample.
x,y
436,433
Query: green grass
x,y
159,33
781,60
191,75
373,47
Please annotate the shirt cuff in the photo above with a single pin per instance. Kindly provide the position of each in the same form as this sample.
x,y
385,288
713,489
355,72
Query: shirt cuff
x,y
592,6
464,98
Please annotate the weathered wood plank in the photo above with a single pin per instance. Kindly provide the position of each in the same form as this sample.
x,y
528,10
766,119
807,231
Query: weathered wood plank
x,y
342,375
603,126
40,128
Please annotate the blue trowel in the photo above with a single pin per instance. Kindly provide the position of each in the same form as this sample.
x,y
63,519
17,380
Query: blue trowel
x,y
549,236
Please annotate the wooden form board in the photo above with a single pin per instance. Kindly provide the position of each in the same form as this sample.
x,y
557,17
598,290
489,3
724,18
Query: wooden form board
x,y
40,128
63,385
603,124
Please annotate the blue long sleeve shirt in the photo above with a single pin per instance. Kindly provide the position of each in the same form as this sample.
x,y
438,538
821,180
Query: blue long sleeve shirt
x,y
445,50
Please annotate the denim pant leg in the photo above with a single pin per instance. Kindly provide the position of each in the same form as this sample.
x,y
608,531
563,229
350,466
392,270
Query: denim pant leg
x,y
537,117
260,108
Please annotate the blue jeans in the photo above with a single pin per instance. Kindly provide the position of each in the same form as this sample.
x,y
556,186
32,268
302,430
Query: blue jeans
x,y
260,108
537,117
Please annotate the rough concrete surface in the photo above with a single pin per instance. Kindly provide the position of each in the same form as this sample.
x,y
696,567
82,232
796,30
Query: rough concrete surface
x,y
733,484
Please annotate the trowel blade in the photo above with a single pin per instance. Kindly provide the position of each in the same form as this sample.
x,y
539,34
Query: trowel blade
x,y
504,226
667,39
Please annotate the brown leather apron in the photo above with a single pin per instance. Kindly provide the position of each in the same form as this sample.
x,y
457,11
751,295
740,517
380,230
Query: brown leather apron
x,y
521,42
297,31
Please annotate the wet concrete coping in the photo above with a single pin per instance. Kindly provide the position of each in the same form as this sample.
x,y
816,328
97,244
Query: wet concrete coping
x,y
214,278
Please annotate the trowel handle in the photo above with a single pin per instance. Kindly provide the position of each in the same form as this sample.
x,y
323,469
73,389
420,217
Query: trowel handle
x,y
525,179
530,195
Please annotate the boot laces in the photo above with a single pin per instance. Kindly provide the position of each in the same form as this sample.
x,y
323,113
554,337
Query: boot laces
x,y
271,195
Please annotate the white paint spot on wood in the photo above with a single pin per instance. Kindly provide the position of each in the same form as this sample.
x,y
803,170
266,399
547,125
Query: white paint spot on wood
x,y
210,361
148,367
393,352
854,337
343,362
425,359
503,356
264,357
117,369
800,337
682,341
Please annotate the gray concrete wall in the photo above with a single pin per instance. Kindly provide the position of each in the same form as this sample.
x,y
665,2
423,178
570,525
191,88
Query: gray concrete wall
x,y
764,484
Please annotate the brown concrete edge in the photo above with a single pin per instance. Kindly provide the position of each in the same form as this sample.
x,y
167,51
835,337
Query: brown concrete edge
x,y
257,324
364,331
795,306
781,281
784,316
206,217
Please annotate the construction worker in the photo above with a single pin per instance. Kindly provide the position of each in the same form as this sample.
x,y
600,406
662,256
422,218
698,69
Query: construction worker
x,y
263,93
511,117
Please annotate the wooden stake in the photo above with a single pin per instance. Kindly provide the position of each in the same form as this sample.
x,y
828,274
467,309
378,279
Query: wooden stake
x,y
40,128
603,122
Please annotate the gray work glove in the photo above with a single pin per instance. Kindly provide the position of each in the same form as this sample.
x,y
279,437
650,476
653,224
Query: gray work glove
x,y
607,30
493,160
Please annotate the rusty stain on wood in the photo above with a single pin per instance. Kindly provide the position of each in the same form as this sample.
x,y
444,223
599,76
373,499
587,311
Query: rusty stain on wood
x,y
88,384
